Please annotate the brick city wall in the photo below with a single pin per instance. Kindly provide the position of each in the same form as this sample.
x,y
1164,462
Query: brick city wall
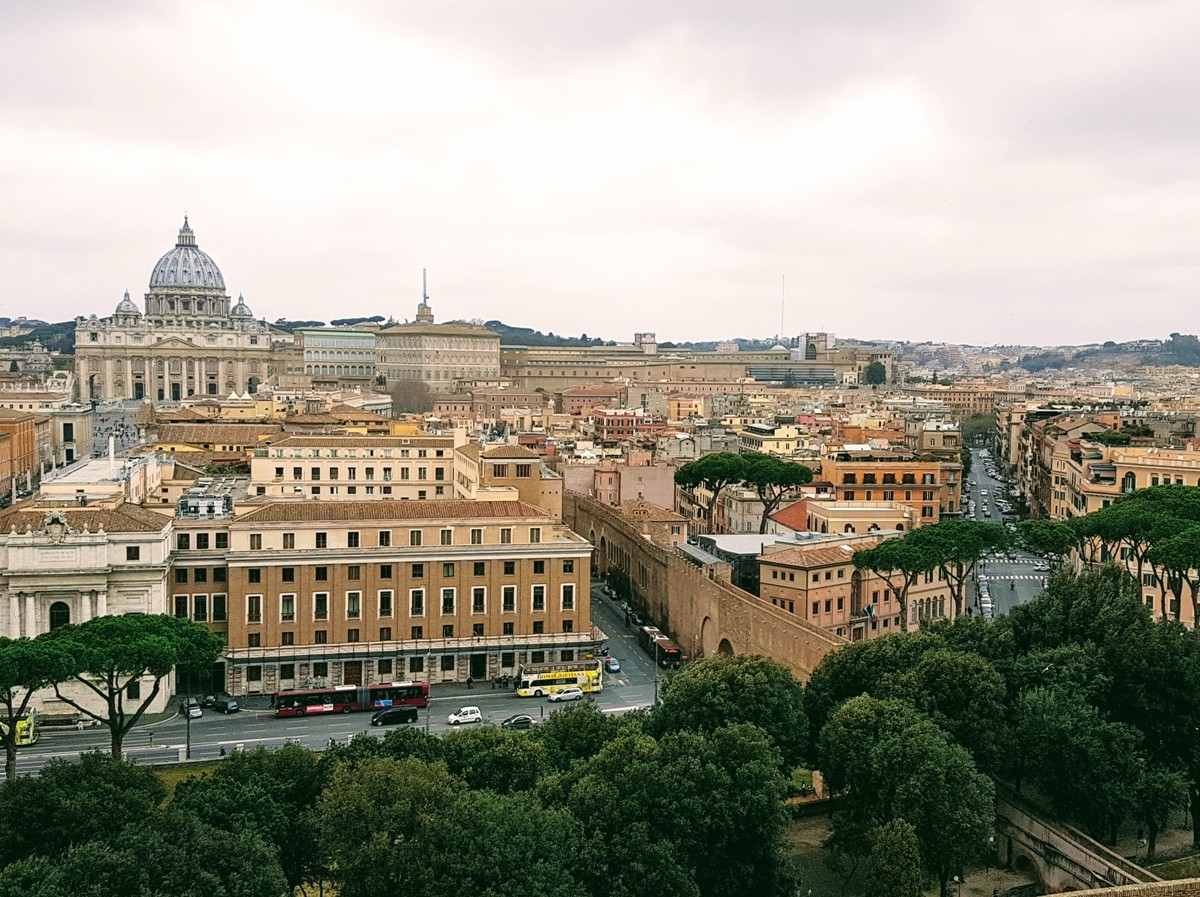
x,y
704,613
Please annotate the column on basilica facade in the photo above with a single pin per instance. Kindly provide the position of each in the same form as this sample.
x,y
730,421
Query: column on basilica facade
x,y
30,621
102,604
85,606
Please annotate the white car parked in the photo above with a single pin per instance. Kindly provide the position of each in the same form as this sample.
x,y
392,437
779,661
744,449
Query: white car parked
x,y
572,693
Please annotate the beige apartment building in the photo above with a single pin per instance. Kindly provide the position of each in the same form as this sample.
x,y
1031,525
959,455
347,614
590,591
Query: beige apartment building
x,y
770,439
819,584
352,593
437,354
932,488
354,468
507,472
860,516
1088,476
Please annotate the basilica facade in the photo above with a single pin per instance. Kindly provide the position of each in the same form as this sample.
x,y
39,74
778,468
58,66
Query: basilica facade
x,y
189,341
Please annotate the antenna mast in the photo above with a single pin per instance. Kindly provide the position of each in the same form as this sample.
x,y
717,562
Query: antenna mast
x,y
424,287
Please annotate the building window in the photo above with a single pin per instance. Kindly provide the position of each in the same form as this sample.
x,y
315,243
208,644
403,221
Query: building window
x,y
287,671
353,605
447,537
385,664
539,568
321,574
320,637
385,571
447,601
322,540
539,598
414,538
254,608
480,568
477,630
181,575
183,541
200,574
289,541
385,635
416,664
181,606
568,566
254,640
568,596
222,540
448,659
353,572
416,603
321,669
447,569
202,541
508,630
478,600
352,539
535,534
539,627
287,608
418,632
510,568
287,574
287,639
476,536
218,608
352,635
256,541
509,599
418,571
385,603
524,470
321,606
506,535
385,538
568,626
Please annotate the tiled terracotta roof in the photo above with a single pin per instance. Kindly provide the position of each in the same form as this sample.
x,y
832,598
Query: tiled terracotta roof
x,y
216,434
794,516
819,555
340,440
509,451
125,518
311,511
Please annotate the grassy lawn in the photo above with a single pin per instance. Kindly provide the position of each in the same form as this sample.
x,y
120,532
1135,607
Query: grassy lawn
x,y
173,775
1184,867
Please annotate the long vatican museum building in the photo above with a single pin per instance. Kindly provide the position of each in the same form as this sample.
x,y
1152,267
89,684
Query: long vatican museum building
x,y
189,341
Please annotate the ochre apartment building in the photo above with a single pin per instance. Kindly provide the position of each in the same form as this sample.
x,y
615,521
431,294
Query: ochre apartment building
x,y
354,592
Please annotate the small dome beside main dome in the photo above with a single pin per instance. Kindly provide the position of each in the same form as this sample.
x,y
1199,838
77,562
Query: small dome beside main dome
x,y
126,306
187,266
241,310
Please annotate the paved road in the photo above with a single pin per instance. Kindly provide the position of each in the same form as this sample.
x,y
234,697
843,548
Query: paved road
x,y
166,741
1014,579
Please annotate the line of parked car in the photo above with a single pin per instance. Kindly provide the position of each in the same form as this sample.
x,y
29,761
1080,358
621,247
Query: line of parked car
x,y
193,708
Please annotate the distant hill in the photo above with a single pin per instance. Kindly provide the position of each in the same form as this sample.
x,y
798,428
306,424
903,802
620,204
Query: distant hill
x,y
1180,348
58,337
527,336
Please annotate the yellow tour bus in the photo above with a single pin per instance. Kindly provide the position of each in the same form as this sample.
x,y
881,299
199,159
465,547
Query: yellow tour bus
x,y
537,679
27,729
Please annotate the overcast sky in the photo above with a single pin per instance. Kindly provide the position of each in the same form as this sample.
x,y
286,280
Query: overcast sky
x,y
990,172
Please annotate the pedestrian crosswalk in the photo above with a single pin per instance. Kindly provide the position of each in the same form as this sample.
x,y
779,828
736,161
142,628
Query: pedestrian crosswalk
x,y
992,577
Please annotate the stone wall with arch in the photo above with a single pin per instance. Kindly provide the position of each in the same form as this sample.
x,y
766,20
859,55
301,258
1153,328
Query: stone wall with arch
x,y
699,607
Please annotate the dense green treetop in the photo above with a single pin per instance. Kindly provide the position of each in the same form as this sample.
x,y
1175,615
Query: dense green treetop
x,y
718,691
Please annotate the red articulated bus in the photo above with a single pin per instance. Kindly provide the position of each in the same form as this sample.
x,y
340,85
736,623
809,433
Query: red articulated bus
x,y
349,698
